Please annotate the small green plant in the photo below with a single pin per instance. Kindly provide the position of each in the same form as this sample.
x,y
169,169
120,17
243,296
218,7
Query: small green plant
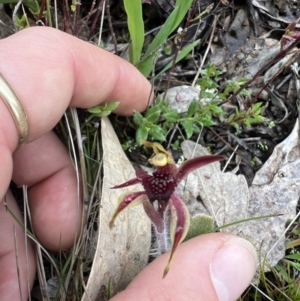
x,y
271,124
102,110
159,120
146,125
248,117
129,145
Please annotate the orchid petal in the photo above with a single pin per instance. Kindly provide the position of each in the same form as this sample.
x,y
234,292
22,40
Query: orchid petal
x,y
179,225
155,218
192,164
128,200
159,150
128,183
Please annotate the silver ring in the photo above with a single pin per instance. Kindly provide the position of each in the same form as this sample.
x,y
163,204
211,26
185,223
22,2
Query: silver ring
x,y
16,109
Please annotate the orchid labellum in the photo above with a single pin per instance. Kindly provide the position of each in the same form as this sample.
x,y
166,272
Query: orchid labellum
x,y
159,196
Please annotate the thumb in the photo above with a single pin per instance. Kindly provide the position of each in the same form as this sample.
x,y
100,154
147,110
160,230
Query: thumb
x,y
211,267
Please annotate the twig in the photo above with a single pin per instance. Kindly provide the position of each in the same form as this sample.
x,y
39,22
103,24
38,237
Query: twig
x,y
42,7
17,261
91,11
279,56
14,15
76,17
99,9
25,199
111,27
206,52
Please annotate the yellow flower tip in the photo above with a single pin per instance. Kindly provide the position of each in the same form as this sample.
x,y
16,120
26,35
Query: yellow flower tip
x,y
112,222
162,156
159,160
147,143
157,148
166,271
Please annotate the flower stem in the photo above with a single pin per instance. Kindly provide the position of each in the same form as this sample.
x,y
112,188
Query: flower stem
x,y
162,238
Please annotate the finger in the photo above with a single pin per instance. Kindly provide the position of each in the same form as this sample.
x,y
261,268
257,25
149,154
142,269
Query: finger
x,y
210,267
45,167
56,70
14,257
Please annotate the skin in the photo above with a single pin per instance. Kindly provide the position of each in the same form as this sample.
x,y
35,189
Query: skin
x,y
49,71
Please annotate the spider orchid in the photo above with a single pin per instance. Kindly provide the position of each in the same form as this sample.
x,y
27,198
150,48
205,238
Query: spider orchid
x,y
159,195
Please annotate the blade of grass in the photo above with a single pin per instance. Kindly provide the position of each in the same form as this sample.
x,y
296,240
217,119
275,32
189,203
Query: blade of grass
x,y
172,22
246,220
135,23
182,54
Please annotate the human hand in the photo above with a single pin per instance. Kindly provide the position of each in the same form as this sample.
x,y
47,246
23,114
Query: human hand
x,y
211,267
49,71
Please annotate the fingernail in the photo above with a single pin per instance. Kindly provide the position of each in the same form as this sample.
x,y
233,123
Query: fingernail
x,y
232,268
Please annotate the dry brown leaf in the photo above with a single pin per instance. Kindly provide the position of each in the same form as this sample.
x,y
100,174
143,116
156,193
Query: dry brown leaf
x,y
122,251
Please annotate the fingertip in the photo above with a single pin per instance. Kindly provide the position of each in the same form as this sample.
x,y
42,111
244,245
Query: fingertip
x,y
63,71
133,90
190,275
56,209
44,165
233,267
17,258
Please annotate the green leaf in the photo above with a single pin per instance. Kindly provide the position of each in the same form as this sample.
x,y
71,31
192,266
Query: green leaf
x,y
171,116
293,256
138,118
217,110
103,110
230,118
31,4
188,127
172,22
247,122
256,119
157,133
234,124
245,92
155,108
141,134
206,94
196,129
259,119
255,107
242,81
207,122
135,23
193,107
200,224
153,114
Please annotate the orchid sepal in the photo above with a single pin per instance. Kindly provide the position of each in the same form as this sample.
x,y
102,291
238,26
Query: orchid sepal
x,y
131,182
128,200
155,218
179,225
194,163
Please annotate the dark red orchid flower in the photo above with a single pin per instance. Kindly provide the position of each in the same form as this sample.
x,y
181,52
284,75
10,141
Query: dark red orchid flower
x,y
159,195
